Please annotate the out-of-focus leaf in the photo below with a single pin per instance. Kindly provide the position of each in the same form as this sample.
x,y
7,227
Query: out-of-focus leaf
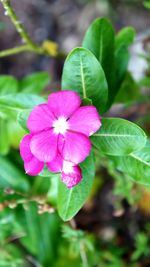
x,y
8,85
15,133
34,83
123,40
83,73
71,200
129,90
119,137
11,176
22,118
42,234
12,104
4,140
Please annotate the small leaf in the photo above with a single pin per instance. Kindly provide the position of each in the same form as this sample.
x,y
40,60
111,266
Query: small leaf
x,y
119,137
137,165
22,118
8,85
70,201
34,83
83,73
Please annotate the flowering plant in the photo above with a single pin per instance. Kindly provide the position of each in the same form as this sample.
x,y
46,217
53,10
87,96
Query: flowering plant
x,y
70,133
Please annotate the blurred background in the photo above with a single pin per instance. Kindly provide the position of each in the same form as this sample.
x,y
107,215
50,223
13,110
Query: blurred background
x,y
114,224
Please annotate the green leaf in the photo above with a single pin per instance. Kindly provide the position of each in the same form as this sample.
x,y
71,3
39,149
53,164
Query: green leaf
x,y
137,165
129,90
122,42
119,137
83,73
4,140
146,4
34,83
41,234
99,39
22,118
11,104
11,176
71,200
8,85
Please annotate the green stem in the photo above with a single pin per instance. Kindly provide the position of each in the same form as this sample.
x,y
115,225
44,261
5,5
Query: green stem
x,y
83,255
15,50
29,44
9,11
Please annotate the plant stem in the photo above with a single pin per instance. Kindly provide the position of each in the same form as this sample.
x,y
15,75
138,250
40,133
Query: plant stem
x,y
29,45
9,11
83,255
15,50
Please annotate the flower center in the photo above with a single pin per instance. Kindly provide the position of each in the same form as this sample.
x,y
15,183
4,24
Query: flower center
x,y
60,125
67,167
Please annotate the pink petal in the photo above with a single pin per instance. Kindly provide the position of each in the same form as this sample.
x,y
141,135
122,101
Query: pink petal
x,y
44,145
64,103
33,167
73,178
85,120
76,148
40,118
25,151
56,164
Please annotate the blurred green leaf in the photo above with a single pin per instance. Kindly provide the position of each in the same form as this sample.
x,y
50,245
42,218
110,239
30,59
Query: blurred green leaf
x,y
146,4
118,137
71,200
22,118
34,83
42,234
4,140
122,42
11,176
12,104
83,73
8,85
129,90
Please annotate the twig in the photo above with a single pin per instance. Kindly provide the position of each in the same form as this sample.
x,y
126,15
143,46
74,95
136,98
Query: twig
x,y
51,48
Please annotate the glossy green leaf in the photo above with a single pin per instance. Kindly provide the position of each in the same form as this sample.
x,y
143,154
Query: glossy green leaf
x,y
8,85
136,165
123,40
83,73
34,83
119,137
71,200
99,39
11,176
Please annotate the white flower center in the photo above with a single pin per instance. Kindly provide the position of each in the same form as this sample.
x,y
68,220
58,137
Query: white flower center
x,y
67,167
60,125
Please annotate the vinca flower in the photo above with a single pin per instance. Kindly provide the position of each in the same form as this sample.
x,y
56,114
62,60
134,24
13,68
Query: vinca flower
x,y
59,136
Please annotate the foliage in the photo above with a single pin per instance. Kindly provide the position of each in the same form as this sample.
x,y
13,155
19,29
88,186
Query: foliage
x,y
98,71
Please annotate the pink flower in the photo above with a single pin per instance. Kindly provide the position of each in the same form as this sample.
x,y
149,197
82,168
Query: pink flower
x,y
59,133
